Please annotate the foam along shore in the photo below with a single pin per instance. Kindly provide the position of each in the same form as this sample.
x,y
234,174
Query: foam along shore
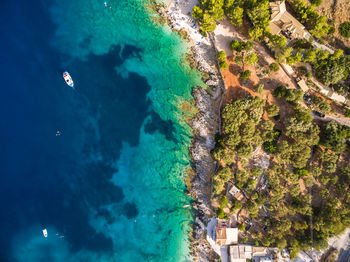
x,y
206,123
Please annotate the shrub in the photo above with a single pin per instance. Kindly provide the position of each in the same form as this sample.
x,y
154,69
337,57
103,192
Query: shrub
x,y
223,65
294,95
259,88
223,202
241,227
245,75
274,67
221,214
221,56
273,110
347,113
280,91
236,204
301,172
270,147
344,29
316,2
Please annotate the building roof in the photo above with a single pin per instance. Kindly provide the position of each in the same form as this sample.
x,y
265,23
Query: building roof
x,y
231,236
239,253
259,251
235,192
338,98
288,69
282,20
226,236
302,84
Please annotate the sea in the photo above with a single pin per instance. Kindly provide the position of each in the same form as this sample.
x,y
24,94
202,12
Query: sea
x,y
101,167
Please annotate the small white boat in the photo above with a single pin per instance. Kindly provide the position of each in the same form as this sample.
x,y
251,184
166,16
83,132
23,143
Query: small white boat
x,y
68,79
45,232
186,206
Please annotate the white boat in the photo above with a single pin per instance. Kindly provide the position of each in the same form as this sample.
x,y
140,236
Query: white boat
x,y
68,79
45,232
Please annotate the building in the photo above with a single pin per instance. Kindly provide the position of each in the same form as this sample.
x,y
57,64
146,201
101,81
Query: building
x,y
284,23
288,69
226,235
302,84
240,253
259,251
236,193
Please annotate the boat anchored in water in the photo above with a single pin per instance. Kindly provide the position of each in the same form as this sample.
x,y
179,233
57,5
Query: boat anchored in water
x,y
45,232
68,79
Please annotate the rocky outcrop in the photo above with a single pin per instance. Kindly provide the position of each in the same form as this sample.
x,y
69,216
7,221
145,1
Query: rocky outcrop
x,y
205,125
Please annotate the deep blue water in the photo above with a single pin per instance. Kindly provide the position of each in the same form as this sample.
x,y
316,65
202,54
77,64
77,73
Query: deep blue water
x,y
111,186
37,166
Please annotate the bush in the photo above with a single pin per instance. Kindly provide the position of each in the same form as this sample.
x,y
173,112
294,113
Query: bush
x,y
241,227
273,110
221,214
221,56
316,2
294,95
245,75
223,202
223,65
270,147
236,204
347,113
274,67
280,91
344,29
259,88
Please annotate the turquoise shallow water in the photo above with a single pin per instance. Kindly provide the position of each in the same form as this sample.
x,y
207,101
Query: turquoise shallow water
x,y
114,185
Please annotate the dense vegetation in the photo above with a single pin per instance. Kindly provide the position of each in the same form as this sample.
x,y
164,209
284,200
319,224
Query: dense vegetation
x,y
210,11
344,29
315,23
308,173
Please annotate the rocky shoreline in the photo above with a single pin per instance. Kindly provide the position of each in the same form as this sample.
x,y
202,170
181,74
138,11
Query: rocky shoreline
x,y
206,124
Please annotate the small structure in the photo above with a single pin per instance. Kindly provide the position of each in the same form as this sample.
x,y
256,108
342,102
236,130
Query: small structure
x,y
225,235
336,97
302,84
289,70
240,253
259,251
283,22
236,193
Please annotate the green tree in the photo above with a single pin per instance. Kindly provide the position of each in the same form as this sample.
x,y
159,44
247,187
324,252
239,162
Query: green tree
x,y
208,23
277,41
331,72
344,29
245,150
236,46
221,56
259,88
294,95
309,56
235,14
255,33
223,65
316,2
258,12
274,67
251,59
245,75
283,54
241,227
280,91
273,110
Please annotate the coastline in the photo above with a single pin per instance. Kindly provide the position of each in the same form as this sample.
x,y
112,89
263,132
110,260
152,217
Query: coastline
x,y
205,124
